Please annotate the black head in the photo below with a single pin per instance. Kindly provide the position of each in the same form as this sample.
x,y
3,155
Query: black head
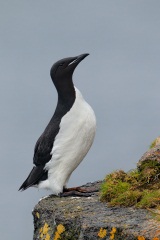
x,y
62,71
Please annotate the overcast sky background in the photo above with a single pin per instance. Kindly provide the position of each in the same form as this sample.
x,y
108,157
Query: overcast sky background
x,y
120,79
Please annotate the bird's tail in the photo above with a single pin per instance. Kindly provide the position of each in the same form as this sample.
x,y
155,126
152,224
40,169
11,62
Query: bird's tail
x,y
34,177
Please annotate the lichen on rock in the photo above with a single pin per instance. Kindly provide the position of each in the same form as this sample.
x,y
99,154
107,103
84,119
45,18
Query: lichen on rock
x,y
87,218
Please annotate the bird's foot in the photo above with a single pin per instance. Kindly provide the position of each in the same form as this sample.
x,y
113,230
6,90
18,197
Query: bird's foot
x,y
78,192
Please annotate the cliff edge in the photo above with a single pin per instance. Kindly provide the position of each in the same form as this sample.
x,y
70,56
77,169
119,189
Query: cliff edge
x,y
87,218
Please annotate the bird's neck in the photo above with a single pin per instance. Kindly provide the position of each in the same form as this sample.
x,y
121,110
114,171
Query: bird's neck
x,y
66,95
65,90
66,99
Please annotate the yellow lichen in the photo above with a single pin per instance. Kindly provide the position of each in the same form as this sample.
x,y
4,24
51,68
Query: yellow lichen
x,y
60,230
47,237
45,228
37,214
113,231
57,236
112,236
155,238
41,235
102,233
141,238
44,231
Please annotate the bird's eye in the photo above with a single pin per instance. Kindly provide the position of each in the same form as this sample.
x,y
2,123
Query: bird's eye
x,y
61,64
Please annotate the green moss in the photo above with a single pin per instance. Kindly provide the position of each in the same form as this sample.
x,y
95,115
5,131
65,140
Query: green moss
x,y
110,189
127,199
150,199
153,144
150,164
139,188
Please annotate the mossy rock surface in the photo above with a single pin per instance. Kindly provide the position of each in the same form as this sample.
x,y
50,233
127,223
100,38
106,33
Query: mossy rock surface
x,y
139,188
87,218
152,154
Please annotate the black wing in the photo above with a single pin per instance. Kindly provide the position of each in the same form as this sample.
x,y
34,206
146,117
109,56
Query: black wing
x,y
42,155
37,173
43,148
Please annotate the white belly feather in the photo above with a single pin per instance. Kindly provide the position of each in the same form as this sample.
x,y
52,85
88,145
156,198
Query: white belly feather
x,y
73,141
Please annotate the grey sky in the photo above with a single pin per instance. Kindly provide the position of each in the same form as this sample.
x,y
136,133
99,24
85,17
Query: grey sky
x,y
120,79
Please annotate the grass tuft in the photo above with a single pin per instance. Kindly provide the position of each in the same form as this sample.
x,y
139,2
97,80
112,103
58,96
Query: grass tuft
x,y
139,188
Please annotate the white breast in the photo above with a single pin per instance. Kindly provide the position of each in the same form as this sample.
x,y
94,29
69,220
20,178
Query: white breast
x,y
75,137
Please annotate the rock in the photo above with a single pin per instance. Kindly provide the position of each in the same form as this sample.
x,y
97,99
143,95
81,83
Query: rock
x,y
86,218
152,154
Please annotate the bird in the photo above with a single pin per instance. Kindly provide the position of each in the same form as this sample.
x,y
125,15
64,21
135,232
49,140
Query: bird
x,y
68,136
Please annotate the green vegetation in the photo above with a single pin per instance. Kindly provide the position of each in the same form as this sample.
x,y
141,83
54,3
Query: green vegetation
x,y
139,188
153,144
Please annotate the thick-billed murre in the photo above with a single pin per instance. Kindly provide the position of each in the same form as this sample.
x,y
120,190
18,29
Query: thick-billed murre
x,y
68,136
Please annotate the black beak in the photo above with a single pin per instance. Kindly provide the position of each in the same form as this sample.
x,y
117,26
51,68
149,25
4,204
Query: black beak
x,y
74,61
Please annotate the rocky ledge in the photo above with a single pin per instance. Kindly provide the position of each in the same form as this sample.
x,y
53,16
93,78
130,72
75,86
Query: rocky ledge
x,y
86,218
